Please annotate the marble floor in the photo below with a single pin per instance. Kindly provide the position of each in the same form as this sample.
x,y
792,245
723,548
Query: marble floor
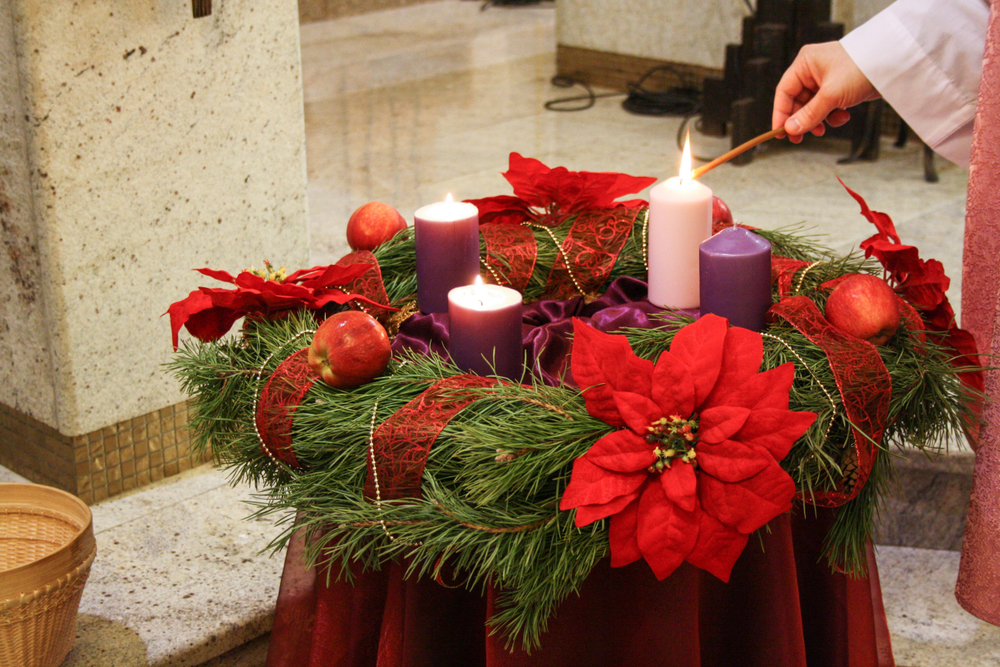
x,y
406,105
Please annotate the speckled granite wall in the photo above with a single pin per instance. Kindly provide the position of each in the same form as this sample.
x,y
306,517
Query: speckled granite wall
x,y
138,143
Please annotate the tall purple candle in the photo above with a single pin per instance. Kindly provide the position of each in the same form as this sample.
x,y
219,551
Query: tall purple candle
x,y
485,329
735,276
447,251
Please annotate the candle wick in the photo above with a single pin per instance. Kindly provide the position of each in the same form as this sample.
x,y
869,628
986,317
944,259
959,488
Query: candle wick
x,y
483,305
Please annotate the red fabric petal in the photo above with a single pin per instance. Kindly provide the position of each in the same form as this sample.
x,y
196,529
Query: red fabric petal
x,y
328,276
769,389
602,364
623,536
502,210
181,311
750,504
224,276
731,461
720,423
213,323
588,514
741,357
718,547
592,485
667,533
775,430
881,221
699,346
673,386
637,411
680,484
621,451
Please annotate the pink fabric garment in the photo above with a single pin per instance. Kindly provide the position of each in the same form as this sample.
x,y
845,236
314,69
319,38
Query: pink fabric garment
x,y
978,587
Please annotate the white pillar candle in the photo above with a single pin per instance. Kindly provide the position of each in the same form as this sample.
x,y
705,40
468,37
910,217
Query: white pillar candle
x,y
680,218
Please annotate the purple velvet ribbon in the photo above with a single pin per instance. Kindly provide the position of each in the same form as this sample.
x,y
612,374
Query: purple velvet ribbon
x,y
546,327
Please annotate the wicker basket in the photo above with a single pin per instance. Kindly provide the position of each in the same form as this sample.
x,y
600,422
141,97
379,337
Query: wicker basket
x,y
46,549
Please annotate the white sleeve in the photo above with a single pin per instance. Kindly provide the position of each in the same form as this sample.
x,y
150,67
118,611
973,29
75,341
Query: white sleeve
x,y
925,57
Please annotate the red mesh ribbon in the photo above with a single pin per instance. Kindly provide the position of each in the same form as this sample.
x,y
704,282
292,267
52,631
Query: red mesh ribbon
x,y
278,401
592,247
511,252
783,270
400,445
369,284
864,385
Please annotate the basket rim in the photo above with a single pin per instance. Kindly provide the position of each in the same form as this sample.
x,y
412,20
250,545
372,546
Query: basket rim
x,y
38,574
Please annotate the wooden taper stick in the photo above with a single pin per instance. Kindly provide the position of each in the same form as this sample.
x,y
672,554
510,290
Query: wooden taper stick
x,y
700,171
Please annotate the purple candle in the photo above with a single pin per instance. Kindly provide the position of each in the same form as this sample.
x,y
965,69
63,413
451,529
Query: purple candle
x,y
485,329
447,251
735,276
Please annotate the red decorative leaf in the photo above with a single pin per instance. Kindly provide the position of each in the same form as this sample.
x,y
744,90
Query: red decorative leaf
x,y
502,209
775,430
603,363
224,276
636,410
623,535
769,389
681,485
621,451
718,547
730,461
699,346
593,485
673,386
720,423
741,356
881,221
667,533
750,504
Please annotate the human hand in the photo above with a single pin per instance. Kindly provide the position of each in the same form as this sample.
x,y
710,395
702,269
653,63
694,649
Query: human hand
x,y
821,83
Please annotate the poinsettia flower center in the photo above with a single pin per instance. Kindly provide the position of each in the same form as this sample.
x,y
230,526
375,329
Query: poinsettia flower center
x,y
269,272
674,438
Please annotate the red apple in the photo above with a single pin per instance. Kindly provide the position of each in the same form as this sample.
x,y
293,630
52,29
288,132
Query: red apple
x,y
349,349
864,306
721,213
372,225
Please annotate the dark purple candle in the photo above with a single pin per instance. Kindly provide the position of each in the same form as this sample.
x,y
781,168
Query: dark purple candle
x,y
735,277
447,251
485,329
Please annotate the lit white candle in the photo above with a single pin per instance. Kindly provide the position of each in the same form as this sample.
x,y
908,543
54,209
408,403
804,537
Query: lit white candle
x,y
485,329
680,218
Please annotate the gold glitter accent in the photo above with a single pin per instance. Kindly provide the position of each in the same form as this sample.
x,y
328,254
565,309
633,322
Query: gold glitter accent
x,y
645,238
496,276
833,405
378,491
562,254
400,316
802,276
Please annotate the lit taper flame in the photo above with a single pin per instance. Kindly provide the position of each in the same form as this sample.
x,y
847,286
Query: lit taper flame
x,y
686,173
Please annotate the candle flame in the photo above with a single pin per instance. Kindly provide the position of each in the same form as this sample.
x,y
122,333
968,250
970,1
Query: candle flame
x,y
686,173
448,199
478,282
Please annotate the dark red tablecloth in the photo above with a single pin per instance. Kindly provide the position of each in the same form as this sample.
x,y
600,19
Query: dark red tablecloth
x,y
783,607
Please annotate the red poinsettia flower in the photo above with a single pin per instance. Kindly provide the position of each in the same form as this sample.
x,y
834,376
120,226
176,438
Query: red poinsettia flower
x,y
208,313
695,470
549,196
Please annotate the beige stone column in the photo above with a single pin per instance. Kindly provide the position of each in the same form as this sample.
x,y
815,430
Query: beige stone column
x,y
137,143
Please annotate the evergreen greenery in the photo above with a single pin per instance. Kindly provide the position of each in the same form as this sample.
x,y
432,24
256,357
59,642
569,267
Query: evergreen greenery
x,y
490,491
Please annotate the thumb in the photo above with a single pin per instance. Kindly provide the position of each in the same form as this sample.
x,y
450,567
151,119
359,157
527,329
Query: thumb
x,y
809,116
